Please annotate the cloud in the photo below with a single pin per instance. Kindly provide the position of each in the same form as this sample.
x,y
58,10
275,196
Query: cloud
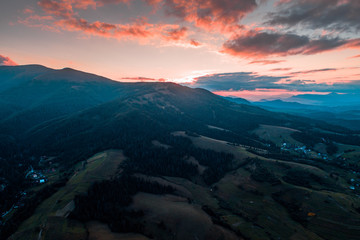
x,y
143,79
235,81
211,14
263,44
61,9
314,71
176,34
6,61
195,43
266,62
138,29
339,15
261,94
62,15
280,69
182,21
250,81
223,15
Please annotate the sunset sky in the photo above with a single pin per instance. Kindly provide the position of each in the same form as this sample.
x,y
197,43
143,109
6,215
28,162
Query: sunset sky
x,y
247,48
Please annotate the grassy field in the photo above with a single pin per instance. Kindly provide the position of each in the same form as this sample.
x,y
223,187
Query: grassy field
x,y
248,206
305,202
181,220
276,134
240,153
49,217
100,231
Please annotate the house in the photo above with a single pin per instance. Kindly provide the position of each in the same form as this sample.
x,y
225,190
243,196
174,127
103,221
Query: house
x,y
35,176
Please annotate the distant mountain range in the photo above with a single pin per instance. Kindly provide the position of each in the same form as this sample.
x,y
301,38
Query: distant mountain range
x,y
330,100
338,109
339,112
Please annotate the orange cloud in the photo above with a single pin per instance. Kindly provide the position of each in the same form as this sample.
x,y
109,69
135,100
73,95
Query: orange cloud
x,y
105,29
176,34
214,16
6,61
223,15
61,16
62,9
195,43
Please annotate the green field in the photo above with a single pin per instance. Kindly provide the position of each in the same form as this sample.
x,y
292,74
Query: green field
x,y
276,134
303,202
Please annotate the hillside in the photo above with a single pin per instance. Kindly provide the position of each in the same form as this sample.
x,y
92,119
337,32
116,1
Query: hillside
x,y
224,170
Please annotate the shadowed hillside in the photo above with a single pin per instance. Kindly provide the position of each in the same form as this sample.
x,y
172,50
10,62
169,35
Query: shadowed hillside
x,y
224,170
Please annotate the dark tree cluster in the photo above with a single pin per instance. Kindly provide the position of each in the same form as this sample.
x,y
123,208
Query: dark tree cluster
x,y
106,201
152,160
261,174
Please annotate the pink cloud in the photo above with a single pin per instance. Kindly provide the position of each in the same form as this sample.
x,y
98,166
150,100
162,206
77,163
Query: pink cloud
x,y
280,69
62,9
176,34
143,79
266,62
199,16
28,11
84,4
259,93
6,61
208,14
61,16
195,43
223,15
139,29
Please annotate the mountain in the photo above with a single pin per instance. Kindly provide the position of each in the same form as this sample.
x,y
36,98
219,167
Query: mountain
x,y
331,99
237,100
165,161
33,94
342,115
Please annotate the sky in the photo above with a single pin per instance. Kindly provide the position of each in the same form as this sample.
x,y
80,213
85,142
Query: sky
x,y
246,48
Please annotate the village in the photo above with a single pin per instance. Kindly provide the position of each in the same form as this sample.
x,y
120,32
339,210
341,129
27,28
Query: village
x,y
33,178
354,184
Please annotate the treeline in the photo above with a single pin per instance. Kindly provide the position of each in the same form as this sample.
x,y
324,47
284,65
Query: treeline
x,y
152,160
106,201
311,138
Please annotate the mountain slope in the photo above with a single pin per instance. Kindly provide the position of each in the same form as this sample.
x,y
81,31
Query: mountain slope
x,y
37,94
185,149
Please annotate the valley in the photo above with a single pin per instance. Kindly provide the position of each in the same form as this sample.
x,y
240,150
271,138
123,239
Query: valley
x,y
164,161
